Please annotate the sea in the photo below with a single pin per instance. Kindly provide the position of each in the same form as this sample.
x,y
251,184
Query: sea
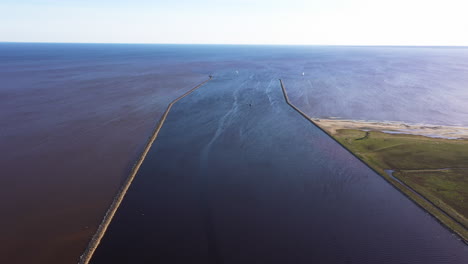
x,y
75,117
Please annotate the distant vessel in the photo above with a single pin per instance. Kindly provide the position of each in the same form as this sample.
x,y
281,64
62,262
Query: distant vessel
x,y
303,73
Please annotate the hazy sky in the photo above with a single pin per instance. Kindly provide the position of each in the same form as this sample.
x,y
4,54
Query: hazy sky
x,y
333,22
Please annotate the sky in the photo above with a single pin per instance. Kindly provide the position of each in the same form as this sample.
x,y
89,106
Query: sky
x,y
291,22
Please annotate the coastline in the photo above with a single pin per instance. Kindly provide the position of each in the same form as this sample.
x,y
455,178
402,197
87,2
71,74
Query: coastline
x,y
445,214
390,127
330,127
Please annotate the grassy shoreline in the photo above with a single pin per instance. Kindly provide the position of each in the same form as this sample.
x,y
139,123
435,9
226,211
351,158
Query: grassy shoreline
x,y
434,168
380,167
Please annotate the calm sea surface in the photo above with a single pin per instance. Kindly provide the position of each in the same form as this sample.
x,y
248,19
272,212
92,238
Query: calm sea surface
x,y
74,117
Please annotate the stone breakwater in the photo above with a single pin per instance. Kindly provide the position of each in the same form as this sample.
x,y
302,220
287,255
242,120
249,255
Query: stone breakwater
x,y
94,243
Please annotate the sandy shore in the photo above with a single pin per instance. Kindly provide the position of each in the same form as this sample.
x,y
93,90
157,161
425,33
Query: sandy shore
x,y
435,131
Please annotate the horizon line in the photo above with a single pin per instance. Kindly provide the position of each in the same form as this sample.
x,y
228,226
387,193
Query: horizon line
x,y
234,44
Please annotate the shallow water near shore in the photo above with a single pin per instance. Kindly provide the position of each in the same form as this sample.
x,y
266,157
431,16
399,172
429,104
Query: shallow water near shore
x,y
432,131
74,117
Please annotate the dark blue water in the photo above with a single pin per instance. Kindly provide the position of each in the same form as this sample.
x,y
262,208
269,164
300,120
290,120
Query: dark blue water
x,y
237,176
74,117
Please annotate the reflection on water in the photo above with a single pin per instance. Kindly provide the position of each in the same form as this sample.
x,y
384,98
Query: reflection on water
x,y
254,182
74,117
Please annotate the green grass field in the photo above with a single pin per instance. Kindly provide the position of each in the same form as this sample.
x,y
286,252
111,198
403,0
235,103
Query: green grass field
x,y
435,168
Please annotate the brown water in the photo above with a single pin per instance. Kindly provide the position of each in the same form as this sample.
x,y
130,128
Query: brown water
x,y
74,118
67,143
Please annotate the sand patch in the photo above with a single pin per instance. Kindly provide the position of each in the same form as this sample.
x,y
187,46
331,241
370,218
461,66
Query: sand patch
x,y
435,131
